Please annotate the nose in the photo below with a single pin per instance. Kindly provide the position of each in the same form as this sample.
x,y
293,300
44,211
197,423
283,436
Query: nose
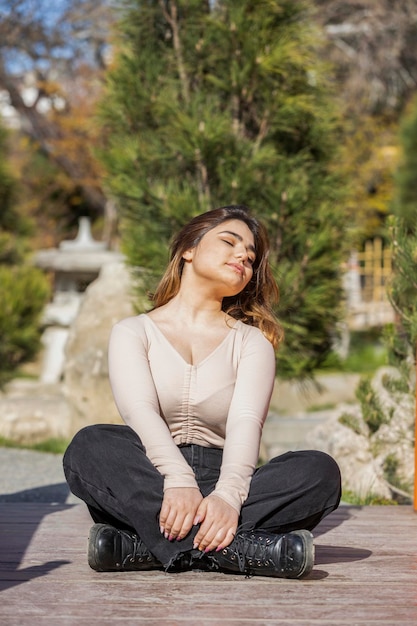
x,y
241,252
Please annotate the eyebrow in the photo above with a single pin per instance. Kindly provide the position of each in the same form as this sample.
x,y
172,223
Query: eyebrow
x,y
239,238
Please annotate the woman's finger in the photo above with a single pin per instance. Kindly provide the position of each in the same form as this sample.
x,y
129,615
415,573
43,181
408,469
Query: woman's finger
x,y
187,524
230,535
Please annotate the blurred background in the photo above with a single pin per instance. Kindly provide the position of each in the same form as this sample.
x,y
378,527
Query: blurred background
x,y
120,120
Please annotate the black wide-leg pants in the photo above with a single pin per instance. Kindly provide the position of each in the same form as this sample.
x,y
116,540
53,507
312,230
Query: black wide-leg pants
x,y
106,466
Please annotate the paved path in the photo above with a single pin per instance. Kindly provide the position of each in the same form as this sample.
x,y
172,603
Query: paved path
x,y
29,476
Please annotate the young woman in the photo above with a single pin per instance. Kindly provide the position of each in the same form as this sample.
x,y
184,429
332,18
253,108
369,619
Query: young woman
x,y
177,486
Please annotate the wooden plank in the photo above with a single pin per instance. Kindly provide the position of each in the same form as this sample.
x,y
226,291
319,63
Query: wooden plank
x,y
365,571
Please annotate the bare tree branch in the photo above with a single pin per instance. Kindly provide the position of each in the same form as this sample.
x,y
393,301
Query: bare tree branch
x,y
52,44
372,46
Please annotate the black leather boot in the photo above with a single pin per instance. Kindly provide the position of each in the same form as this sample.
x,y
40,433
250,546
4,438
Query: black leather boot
x,y
261,553
111,549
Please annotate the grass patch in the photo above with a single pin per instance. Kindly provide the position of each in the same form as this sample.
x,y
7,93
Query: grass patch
x,y
326,406
349,497
53,446
367,352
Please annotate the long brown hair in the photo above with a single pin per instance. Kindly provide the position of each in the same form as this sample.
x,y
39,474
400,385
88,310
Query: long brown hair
x,y
253,305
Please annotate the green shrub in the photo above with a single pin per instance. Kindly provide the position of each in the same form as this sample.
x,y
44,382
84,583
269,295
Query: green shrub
x,y
397,386
24,292
390,468
372,412
352,422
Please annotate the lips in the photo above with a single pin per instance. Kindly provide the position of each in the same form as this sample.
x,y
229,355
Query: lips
x,y
238,268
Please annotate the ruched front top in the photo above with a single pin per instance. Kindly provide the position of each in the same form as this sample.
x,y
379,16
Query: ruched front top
x,y
220,402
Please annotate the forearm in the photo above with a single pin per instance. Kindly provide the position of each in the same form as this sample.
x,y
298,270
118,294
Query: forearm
x,y
240,457
247,414
136,399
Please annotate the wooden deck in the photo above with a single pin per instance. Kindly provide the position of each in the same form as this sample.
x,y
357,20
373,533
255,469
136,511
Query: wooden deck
x,y
365,573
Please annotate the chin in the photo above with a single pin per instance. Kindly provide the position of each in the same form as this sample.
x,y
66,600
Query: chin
x,y
233,294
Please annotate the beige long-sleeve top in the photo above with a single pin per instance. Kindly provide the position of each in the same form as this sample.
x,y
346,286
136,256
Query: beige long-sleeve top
x,y
221,402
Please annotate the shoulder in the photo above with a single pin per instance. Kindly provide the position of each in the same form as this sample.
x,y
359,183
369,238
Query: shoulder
x,y
254,337
138,325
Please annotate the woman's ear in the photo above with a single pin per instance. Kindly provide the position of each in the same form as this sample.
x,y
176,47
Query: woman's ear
x,y
188,255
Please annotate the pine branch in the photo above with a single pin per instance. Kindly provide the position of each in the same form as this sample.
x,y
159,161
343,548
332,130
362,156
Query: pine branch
x,y
263,131
235,115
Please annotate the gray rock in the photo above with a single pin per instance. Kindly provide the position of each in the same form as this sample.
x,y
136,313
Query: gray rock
x,y
86,386
360,473
31,412
362,455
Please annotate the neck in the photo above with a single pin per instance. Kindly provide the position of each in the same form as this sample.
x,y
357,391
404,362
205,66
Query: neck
x,y
194,307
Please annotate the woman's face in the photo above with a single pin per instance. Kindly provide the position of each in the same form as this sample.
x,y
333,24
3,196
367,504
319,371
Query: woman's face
x,y
225,256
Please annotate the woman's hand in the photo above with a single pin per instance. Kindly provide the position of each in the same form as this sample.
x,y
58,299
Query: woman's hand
x,y
178,511
218,524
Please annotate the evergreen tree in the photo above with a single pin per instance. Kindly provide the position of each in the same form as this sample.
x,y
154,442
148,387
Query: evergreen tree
x,y
215,103
403,290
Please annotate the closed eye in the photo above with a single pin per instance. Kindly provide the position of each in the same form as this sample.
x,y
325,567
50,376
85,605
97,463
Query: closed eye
x,y
251,260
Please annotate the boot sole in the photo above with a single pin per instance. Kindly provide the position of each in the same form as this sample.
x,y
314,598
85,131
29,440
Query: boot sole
x,y
91,551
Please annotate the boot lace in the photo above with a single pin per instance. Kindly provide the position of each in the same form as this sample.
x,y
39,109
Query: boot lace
x,y
138,552
250,551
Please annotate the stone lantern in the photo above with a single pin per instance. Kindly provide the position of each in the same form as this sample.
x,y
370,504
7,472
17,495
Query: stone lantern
x,y
74,265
